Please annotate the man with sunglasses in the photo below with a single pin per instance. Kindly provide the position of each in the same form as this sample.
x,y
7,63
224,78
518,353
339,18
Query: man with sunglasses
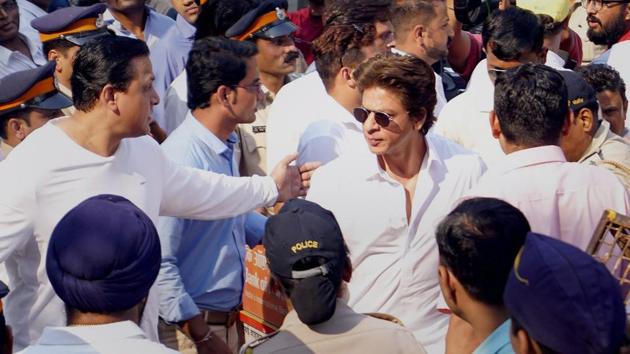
x,y
609,24
511,38
200,301
389,202
62,34
269,28
17,51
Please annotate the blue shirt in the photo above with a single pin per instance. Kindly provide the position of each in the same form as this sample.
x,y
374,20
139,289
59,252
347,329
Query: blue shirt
x,y
155,27
203,262
498,342
169,58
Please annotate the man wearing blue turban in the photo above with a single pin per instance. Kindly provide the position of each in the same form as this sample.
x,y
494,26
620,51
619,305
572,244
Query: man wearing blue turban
x,y
102,259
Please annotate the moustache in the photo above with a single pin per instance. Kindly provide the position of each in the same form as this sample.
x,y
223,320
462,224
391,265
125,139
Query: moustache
x,y
592,18
291,57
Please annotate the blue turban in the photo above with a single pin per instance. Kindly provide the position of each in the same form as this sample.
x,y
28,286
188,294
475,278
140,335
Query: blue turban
x,y
104,255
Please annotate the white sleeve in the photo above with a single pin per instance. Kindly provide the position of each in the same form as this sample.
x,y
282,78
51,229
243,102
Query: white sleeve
x,y
196,194
175,109
281,131
17,207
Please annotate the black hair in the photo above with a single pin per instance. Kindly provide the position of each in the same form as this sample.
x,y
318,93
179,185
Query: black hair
x,y
103,61
531,104
315,298
478,242
23,114
516,326
217,16
603,78
512,32
58,44
212,62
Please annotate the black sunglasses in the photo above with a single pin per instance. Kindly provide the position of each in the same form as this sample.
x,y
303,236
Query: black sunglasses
x,y
361,114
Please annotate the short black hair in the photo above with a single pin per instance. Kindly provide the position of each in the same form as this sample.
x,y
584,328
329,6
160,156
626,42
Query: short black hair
x,y
512,32
212,62
478,242
58,44
217,16
603,77
531,104
103,61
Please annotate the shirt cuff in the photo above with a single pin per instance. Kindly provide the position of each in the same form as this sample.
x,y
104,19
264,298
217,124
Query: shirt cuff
x,y
271,190
182,309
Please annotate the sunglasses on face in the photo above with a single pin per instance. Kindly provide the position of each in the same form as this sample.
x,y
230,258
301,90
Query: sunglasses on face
x,y
361,114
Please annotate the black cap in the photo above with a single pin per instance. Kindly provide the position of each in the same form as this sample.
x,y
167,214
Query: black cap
x,y
269,20
303,229
581,94
33,88
77,24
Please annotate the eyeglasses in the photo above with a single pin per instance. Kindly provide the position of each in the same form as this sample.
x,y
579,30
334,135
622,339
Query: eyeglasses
x,y
599,4
361,114
9,5
254,87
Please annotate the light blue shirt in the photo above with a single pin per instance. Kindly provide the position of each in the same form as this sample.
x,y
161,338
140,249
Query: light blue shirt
x,y
203,261
155,27
498,342
169,58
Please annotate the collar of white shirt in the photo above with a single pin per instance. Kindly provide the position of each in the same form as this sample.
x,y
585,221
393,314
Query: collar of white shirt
x,y
90,334
372,169
528,157
6,54
555,61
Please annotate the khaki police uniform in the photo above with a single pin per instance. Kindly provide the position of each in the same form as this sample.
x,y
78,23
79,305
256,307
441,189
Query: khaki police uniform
x,y
253,139
610,151
345,332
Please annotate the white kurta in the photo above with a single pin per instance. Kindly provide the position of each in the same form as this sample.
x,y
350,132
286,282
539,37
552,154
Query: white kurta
x,y
48,174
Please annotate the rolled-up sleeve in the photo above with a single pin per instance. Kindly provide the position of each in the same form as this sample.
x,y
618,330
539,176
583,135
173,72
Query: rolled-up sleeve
x,y
254,228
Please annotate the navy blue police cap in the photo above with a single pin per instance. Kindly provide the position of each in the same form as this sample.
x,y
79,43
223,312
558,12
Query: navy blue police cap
x,y
269,20
565,299
76,24
303,229
33,88
581,94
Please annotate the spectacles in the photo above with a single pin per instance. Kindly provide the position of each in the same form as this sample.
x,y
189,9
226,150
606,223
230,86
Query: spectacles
x,y
254,87
599,4
9,5
361,114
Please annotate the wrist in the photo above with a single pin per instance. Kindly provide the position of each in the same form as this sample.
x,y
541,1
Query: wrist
x,y
205,339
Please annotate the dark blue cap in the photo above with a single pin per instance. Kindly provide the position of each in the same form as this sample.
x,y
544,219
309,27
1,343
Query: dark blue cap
x,y
269,20
565,299
103,255
303,229
77,24
33,88
581,94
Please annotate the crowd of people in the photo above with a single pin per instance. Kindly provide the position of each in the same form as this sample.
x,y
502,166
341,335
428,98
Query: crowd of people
x,y
420,183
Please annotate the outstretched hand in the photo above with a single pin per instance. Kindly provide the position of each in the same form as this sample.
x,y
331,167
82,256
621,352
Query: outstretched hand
x,y
293,181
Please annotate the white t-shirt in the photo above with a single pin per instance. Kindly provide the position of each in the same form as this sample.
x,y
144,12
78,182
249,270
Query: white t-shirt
x,y
394,261
48,174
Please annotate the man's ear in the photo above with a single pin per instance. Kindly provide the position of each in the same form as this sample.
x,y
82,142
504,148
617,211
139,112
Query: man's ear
x,y
18,127
346,75
522,343
54,55
418,35
108,97
495,127
586,119
447,287
223,93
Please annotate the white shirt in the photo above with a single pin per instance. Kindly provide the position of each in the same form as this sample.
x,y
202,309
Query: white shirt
x,y
439,87
466,118
555,61
293,109
14,61
326,139
395,262
617,57
48,174
155,27
560,199
114,338
29,12
175,104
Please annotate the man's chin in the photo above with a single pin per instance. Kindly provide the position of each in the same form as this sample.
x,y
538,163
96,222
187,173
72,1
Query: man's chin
x,y
597,37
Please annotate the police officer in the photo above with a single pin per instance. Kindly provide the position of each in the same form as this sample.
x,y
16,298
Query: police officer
x,y
269,27
307,257
28,99
62,34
